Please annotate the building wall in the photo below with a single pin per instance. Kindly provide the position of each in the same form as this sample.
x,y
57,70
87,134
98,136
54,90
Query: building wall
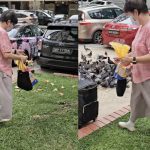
x,y
122,2
48,5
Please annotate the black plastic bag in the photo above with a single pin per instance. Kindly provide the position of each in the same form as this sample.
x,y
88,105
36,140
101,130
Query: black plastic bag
x,y
23,80
121,87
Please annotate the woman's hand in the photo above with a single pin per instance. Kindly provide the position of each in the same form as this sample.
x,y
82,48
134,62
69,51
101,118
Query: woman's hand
x,y
117,60
126,61
23,58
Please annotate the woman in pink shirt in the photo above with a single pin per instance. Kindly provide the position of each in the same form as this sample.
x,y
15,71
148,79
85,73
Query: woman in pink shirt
x,y
140,59
8,20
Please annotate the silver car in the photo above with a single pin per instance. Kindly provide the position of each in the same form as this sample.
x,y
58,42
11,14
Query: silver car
x,y
26,17
92,19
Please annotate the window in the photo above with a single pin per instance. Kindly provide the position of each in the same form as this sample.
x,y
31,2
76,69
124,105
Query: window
x,y
108,3
102,14
66,36
124,19
36,31
1,10
41,15
120,18
118,11
25,32
21,15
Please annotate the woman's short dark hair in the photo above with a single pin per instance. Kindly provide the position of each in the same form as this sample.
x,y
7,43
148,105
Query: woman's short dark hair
x,y
9,15
139,5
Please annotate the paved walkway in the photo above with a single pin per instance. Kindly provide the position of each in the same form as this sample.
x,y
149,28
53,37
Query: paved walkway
x,y
110,106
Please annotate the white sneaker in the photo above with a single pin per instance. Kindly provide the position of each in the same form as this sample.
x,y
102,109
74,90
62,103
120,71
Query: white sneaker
x,y
5,120
128,125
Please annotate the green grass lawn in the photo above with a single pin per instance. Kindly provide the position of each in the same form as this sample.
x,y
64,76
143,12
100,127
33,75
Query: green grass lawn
x,y
44,118
113,138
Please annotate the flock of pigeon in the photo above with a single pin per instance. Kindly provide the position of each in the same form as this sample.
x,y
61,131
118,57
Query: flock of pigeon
x,y
100,71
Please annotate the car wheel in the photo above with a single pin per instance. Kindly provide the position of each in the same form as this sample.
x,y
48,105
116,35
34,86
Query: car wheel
x,y
97,37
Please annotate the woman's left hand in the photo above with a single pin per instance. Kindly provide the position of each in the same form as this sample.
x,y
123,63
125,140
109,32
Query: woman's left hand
x,y
126,61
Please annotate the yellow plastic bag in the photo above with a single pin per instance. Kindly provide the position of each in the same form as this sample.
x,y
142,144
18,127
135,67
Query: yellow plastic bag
x,y
21,65
120,49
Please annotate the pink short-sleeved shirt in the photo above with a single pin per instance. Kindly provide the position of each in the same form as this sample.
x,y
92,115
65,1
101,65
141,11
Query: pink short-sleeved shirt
x,y
141,47
5,46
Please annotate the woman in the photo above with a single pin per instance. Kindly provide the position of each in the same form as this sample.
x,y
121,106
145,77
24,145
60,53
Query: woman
x,y
140,59
8,20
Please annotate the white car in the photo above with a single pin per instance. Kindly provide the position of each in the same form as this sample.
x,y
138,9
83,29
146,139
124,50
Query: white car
x,y
59,18
89,3
26,17
2,9
73,19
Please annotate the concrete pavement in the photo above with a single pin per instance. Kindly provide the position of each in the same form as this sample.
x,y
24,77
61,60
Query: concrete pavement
x,y
108,100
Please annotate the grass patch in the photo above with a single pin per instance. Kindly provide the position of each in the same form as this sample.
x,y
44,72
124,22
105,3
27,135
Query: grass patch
x,y
112,137
44,118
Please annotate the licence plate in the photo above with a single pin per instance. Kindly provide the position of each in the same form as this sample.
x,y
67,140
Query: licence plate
x,y
61,51
114,32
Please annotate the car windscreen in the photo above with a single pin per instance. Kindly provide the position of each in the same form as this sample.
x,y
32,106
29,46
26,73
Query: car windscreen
x,y
63,35
13,32
125,19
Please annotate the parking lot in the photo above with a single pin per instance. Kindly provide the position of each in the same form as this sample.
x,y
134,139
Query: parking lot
x,y
49,39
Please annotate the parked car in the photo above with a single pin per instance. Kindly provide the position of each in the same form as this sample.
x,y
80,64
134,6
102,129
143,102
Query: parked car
x,y
43,17
73,19
2,9
58,18
92,19
26,17
59,48
122,29
51,13
26,37
100,2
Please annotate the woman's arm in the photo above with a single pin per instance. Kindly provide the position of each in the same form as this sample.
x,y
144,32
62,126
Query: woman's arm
x,y
143,59
139,59
15,56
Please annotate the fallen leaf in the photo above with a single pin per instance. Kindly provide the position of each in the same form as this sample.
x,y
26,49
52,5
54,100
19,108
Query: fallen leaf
x,y
40,116
17,90
62,87
52,84
61,94
47,81
36,116
55,90
16,87
39,89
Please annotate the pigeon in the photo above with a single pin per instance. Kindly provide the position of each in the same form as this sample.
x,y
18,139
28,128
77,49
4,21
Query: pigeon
x,y
100,71
87,49
110,61
101,57
105,84
83,57
112,84
90,54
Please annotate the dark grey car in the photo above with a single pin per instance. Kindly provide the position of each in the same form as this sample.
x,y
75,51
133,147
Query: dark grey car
x,y
60,47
